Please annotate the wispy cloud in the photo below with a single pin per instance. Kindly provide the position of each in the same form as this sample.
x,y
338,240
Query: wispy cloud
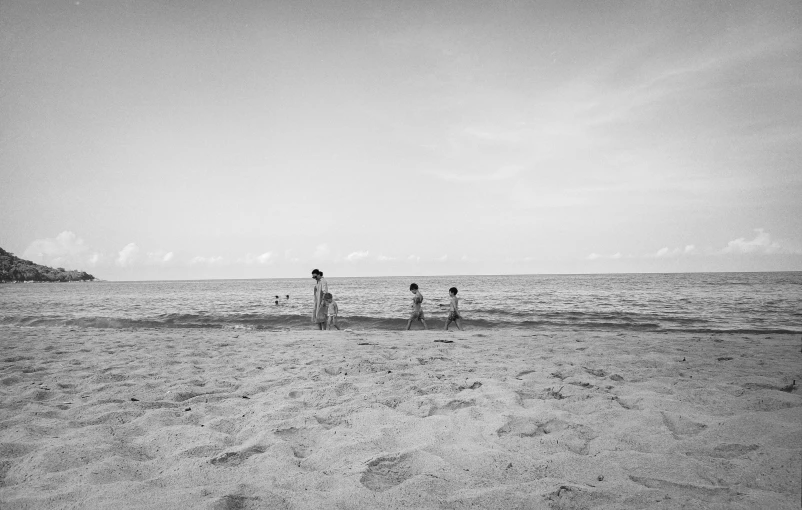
x,y
321,251
597,256
357,255
128,256
385,258
159,257
667,252
209,261
762,243
263,259
66,249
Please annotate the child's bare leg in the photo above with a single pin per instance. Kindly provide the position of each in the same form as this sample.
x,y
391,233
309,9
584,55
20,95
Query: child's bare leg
x,y
409,324
447,323
458,324
334,323
424,324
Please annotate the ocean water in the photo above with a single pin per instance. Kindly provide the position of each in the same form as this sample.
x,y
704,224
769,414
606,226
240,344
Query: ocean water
x,y
695,302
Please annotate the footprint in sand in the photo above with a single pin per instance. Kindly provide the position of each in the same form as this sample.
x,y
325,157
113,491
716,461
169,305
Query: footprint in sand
x,y
386,472
573,436
240,502
230,459
328,422
724,451
524,427
596,372
301,441
698,492
450,407
680,426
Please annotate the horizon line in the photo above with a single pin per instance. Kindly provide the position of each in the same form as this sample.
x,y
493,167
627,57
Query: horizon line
x,y
444,275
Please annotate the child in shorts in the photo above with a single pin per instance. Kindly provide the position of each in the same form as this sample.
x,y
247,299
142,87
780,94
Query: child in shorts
x,y
453,309
417,312
332,310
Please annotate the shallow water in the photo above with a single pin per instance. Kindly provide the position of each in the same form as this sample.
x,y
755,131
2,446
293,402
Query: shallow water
x,y
700,302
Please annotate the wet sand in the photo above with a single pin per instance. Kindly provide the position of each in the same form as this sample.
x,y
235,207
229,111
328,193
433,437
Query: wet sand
x,y
169,418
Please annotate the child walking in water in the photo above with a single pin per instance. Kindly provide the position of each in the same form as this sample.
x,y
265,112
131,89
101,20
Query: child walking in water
x,y
453,309
417,312
333,310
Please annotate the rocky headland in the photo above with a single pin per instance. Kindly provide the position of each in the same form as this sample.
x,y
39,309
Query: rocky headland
x,y
15,269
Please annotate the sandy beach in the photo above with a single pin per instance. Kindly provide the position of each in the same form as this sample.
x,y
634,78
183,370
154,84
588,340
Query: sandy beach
x,y
194,418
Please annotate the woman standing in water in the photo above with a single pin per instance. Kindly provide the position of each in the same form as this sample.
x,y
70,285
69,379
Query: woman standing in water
x,y
321,288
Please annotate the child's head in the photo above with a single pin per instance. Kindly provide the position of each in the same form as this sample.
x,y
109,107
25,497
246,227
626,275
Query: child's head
x,y
327,296
452,291
413,287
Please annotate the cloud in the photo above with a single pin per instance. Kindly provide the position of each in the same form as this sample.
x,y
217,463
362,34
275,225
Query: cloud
x,y
159,257
665,252
128,255
443,258
413,258
209,261
66,249
507,172
762,243
357,255
384,258
322,251
264,259
597,256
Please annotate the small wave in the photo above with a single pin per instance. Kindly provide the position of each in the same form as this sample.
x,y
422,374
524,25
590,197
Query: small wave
x,y
292,322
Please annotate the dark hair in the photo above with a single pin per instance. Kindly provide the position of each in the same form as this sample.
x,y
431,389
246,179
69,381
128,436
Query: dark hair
x,y
453,290
327,295
316,271
414,286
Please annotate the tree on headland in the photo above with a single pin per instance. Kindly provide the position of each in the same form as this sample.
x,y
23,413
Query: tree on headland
x,y
15,269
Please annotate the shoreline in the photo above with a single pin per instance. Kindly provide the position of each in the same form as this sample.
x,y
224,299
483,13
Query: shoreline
x,y
222,418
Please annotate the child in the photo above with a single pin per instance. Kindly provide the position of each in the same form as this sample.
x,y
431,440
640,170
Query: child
x,y
417,313
453,310
333,309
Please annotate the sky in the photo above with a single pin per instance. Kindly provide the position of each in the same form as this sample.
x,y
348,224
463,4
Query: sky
x,y
251,139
